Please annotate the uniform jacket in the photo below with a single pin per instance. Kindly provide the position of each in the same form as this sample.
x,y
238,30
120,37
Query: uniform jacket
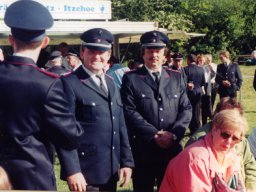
x,y
149,109
34,112
232,74
195,74
59,70
104,147
183,74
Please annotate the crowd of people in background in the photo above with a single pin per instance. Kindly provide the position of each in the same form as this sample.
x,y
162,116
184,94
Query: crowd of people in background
x,y
108,122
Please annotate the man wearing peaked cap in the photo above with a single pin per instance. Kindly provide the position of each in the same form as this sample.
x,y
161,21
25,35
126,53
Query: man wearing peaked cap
x,y
104,151
154,39
34,109
157,112
55,64
73,60
177,65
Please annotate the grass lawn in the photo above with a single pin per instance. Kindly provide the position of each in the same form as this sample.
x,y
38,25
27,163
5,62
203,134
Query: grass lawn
x,y
248,95
247,99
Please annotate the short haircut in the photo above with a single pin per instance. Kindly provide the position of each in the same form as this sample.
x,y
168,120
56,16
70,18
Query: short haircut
x,y
63,44
192,58
224,53
228,103
231,118
21,45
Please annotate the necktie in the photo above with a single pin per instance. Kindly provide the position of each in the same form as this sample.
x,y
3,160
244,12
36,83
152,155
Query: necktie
x,y
102,86
156,75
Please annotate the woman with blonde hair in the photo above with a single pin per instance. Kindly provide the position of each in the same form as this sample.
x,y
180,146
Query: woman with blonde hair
x,y
210,164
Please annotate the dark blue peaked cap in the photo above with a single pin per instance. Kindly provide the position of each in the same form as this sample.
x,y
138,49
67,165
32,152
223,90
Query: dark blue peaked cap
x,y
154,40
177,56
97,39
28,20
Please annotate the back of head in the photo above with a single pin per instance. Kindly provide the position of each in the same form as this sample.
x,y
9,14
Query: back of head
x,y
114,60
191,58
229,103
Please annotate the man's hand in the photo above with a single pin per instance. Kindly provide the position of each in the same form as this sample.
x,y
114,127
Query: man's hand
x,y
76,182
163,139
190,86
226,83
125,176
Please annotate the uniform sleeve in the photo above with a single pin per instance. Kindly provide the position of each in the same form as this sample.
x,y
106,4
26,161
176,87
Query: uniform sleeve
x,y
186,175
249,167
61,123
126,159
64,129
143,128
219,77
238,77
184,114
69,162
199,134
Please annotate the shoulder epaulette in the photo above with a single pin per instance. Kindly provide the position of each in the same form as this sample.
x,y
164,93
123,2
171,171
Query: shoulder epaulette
x,y
50,74
67,74
170,69
109,76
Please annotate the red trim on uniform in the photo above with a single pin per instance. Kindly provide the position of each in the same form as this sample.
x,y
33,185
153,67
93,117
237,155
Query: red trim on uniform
x,y
67,74
109,76
142,76
39,69
173,70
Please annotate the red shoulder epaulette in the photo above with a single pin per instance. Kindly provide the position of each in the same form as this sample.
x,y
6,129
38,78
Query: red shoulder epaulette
x,y
109,76
170,69
67,74
39,69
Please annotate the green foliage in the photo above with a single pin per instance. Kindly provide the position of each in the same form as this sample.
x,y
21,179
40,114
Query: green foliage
x,y
228,24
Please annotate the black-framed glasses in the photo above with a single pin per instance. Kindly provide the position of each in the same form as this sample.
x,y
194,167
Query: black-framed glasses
x,y
226,135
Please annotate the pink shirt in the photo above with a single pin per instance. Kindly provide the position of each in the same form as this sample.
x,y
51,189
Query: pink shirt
x,y
194,168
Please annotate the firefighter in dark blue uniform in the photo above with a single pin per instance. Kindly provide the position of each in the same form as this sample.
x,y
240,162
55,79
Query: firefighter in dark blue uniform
x,y
157,112
195,84
228,76
104,149
34,112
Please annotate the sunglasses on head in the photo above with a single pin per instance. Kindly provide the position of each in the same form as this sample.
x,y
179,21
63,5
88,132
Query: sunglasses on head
x,y
226,135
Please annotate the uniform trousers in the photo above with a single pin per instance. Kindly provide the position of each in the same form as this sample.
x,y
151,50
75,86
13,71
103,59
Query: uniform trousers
x,y
108,187
146,175
195,101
